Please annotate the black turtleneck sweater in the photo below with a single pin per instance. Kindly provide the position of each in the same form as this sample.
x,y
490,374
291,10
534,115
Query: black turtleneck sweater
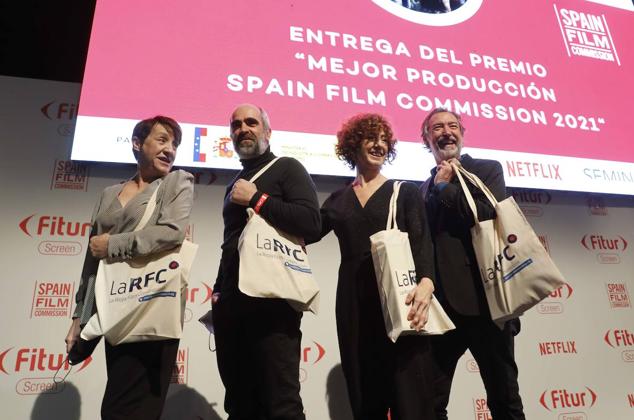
x,y
292,207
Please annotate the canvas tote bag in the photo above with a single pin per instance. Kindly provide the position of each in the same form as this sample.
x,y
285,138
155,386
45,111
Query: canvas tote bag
x,y
274,264
396,277
516,270
142,299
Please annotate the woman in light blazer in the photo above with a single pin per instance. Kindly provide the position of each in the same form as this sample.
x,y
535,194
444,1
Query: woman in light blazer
x,y
138,373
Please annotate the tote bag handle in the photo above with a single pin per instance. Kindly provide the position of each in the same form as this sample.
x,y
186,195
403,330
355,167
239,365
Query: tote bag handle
x,y
261,171
391,217
149,209
473,179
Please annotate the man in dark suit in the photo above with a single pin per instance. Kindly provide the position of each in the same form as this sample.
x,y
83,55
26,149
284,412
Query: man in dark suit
x,y
459,286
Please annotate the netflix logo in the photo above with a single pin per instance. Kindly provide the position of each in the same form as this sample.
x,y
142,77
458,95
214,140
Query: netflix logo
x,y
557,347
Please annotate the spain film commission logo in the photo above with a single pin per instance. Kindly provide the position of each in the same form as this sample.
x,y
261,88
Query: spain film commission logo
x,y
586,35
52,299
556,300
58,235
69,175
623,340
481,409
35,367
608,249
181,367
618,296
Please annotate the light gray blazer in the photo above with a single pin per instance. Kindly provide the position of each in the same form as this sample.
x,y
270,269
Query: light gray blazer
x,y
164,230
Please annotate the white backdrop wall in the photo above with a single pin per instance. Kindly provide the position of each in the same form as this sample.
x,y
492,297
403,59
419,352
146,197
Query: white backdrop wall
x,y
575,351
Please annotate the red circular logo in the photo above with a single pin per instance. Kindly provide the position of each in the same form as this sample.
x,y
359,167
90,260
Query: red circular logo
x,y
173,265
512,238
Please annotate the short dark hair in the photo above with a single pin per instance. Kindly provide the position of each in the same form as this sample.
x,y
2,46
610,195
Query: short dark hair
x,y
359,128
144,127
424,128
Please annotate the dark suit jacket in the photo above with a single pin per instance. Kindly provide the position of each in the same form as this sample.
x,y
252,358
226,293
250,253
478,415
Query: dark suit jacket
x,y
457,273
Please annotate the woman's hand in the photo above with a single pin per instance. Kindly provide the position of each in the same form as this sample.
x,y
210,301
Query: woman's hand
x,y
420,299
73,334
98,245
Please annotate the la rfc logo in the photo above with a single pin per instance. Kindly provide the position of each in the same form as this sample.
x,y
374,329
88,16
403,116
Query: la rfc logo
x,y
145,287
504,266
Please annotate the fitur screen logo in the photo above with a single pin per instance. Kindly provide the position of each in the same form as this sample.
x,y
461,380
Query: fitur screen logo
x,y
568,399
608,248
36,367
531,202
60,235
554,303
63,112
311,355
623,340
197,296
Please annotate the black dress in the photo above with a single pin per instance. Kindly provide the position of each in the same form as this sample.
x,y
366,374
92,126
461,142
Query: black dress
x,y
380,375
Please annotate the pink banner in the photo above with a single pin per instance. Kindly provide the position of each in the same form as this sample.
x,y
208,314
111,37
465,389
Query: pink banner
x,y
530,76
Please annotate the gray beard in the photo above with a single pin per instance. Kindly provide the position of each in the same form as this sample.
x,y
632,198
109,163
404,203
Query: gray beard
x,y
250,151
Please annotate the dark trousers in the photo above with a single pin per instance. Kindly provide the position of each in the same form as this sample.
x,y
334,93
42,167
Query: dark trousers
x,y
391,376
258,352
493,350
138,378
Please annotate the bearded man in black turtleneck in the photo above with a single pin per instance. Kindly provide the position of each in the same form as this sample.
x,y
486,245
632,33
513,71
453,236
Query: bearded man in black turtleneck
x,y
258,339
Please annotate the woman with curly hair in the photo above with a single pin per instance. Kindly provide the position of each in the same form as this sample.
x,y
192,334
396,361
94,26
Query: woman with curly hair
x,y
382,376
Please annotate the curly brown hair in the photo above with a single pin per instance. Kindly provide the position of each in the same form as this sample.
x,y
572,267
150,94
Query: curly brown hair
x,y
359,128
